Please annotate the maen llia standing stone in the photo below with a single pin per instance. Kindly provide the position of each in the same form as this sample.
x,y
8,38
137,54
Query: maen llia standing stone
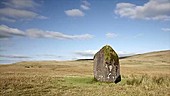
x,y
106,65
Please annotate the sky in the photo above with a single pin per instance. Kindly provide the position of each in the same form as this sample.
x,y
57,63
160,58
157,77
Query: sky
x,y
33,30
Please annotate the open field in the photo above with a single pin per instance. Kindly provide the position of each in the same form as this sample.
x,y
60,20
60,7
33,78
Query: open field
x,y
142,75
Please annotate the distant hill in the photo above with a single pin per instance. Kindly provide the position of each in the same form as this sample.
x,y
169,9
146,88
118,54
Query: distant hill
x,y
157,55
84,59
162,57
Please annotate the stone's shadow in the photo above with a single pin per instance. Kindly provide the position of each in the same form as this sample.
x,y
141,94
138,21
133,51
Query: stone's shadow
x,y
118,79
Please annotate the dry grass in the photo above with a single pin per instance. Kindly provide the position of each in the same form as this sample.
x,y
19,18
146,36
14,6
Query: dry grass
x,y
141,76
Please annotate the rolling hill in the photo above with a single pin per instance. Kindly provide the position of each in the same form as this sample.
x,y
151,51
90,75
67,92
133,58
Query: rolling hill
x,y
152,57
150,63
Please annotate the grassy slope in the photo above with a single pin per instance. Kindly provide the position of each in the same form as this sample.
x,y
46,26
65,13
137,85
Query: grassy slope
x,y
148,63
146,74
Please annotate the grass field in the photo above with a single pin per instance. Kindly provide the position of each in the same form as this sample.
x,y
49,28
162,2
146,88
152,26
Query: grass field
x,y
142,75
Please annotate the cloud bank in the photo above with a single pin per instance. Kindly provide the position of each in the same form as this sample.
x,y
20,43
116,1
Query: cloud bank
x,y
14,10
7,32
152,10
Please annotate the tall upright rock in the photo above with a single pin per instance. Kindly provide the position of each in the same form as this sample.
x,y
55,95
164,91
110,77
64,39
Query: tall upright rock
x,y
106,65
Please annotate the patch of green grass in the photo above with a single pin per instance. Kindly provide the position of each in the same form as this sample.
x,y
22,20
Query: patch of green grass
x,y
133,80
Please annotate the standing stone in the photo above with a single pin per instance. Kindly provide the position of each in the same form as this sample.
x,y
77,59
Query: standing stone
x,y
106,65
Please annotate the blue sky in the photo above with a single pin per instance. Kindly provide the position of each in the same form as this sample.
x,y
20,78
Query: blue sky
x,y
75,29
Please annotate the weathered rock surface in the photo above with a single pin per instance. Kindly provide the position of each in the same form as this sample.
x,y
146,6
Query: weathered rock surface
x,y
106,65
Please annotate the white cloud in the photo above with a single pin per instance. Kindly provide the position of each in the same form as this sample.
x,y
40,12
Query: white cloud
x,y
41,17
7,19
36,33
7,32
14,10
85,5
18,13
74,13
85,2
111,35
14,56
152,10
21,3
166,29
49,56
86,53
123,53
78,12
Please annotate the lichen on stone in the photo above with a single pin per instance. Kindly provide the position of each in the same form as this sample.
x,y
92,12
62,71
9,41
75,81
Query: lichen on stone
x,y
109,54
